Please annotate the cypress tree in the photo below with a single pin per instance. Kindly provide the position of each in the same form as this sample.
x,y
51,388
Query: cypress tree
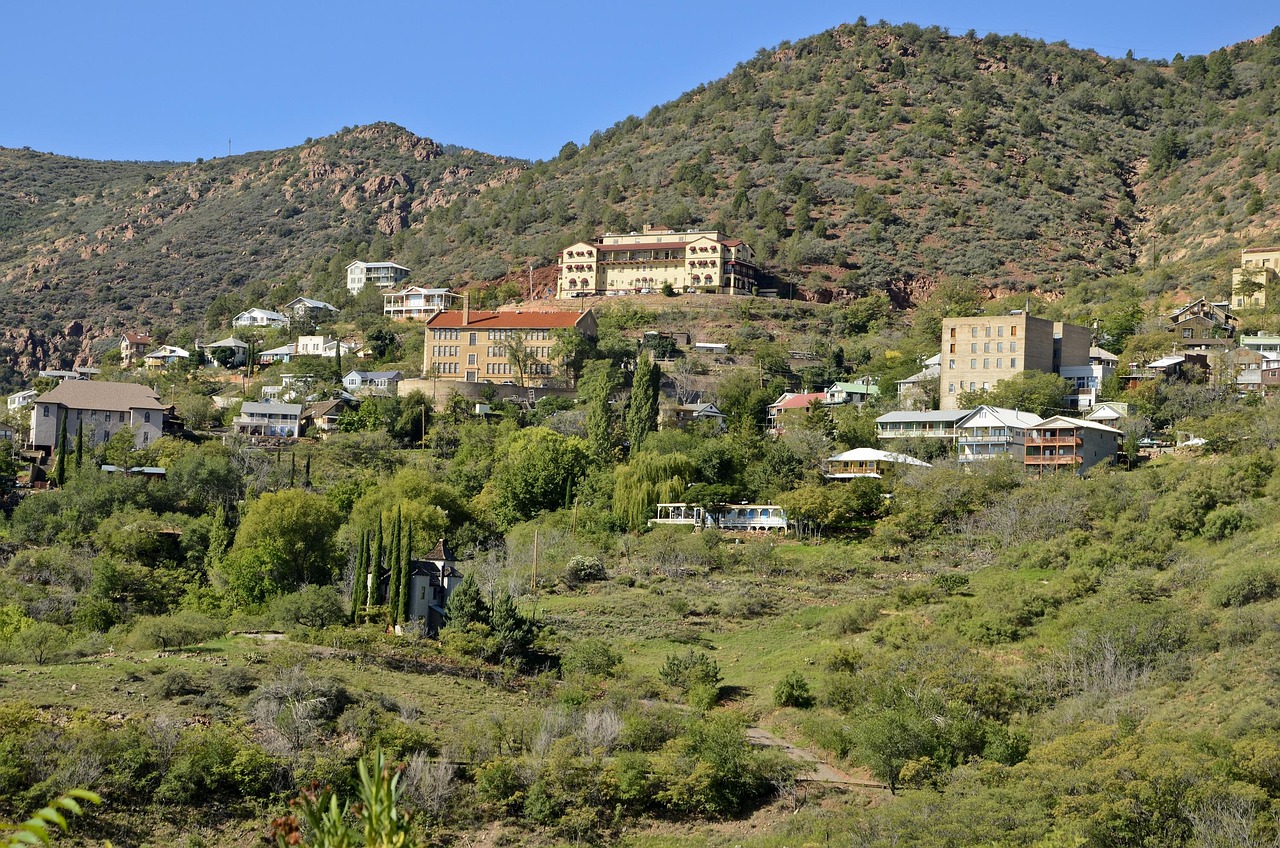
x,y
79,444
306,473
360,583
405,568
60,467
395,562
293,467
642,413
377,563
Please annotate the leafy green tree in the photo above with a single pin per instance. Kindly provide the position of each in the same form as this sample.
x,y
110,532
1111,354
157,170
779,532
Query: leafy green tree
x,y
570,352
1037,392
286,540
536,471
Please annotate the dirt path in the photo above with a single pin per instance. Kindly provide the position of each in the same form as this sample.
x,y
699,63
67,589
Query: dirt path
x,y
817,770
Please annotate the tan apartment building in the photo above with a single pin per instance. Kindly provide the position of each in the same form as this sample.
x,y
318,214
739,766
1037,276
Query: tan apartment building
x,y
979,352
641,263
1259,270
100,410
470,345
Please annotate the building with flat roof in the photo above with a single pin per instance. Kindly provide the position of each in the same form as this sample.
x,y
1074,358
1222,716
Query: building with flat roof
x,y
384,275
472,346
639,263
417,302
1258,271
979,352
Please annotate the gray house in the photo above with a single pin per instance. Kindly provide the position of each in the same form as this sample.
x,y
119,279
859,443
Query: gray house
x,y
431,581
102,409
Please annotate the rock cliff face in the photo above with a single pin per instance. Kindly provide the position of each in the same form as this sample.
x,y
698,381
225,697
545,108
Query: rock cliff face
x,y
88,249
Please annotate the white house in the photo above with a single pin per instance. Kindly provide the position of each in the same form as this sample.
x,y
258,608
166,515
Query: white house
x,y
417,302
302,307
384,275
866,463
239,350
372,382
284,353
17,400
321,346
99,410
857,392
994,431
166,355
260,318
431,580
280,420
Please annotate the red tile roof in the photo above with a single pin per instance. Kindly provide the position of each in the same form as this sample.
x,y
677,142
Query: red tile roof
x,y
478,320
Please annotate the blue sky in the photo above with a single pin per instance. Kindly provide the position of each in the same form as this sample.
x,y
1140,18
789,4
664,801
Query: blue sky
x,y
174,80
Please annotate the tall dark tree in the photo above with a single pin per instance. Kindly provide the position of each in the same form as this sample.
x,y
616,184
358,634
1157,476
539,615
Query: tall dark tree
x,y
306,473
60,467
79,444
405,568
360,582
376,565
642,413
396,561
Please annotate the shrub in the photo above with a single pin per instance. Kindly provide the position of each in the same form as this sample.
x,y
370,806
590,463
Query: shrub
x,y
167,632
856,618
1255,582
1224,522
175,683
793,691
310,606
584,569
692,668
951,583
591,656
40,643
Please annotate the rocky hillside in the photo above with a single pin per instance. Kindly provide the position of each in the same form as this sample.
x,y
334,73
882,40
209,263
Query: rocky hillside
x,y
864,161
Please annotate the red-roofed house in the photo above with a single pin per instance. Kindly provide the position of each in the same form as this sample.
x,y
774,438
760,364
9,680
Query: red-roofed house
x,y
133,346
792,406
639,263
471,345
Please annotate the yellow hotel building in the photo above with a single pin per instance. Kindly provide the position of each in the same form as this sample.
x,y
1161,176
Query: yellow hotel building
x,y
470,345
642,263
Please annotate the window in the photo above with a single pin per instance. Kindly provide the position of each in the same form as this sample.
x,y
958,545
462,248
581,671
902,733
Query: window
x,y
1013,347
471,359
953,332
46,411
1000,331
951,363
1187,332
146,417
999,347
1013,331
951,388
986,363
986,347
121,417
471,340
973,348
953,347
1013,362
986,331
973,363
999,362
974,332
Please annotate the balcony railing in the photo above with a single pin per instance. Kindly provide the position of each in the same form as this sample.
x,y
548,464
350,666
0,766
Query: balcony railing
x,y
1056,459
1069,441
917,432
977,439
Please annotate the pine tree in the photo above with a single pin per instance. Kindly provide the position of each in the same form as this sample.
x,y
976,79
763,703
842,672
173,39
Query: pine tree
x,y
465,605
60,467
79,445
306,473
642,413
360,582
405,574
514,632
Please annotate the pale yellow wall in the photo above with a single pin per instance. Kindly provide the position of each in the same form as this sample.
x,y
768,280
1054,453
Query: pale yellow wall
x,y
985,350
456,353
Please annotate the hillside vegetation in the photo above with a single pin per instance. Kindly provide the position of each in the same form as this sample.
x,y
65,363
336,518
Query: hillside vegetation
x,y
865,160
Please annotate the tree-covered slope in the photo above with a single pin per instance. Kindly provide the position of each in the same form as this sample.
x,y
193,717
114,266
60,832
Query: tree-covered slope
x,y
862,159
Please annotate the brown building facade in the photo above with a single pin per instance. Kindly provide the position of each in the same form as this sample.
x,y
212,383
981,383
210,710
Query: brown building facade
x,y
979,352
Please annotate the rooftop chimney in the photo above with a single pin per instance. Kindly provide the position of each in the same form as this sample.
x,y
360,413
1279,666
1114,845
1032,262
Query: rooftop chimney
x,y
466,309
